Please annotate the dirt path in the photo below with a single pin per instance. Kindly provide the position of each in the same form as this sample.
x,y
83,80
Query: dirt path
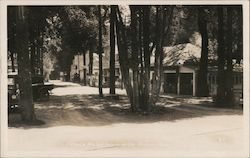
x,y
77,121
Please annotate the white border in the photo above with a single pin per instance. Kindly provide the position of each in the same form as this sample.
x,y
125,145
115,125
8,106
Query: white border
x,y
120,2
3,71
3,77
246,80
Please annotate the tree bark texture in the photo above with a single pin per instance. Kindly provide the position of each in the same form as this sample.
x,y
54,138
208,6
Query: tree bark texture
x,y
229,71
12,61
202,86
25,87
112,51
33,56
221,58
100,51
135,53
141,60
158,68
84,69
146,73
123,56
90,61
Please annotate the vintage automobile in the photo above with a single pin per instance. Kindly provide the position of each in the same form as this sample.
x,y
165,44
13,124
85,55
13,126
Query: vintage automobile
x,y
13,93
41,91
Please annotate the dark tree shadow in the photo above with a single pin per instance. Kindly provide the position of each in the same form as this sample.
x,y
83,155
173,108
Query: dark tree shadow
x,y
90,110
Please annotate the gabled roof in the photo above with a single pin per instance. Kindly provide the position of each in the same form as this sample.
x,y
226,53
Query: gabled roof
x,y
179,54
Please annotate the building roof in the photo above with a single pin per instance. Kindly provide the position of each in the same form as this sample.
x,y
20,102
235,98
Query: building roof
x,y
187,55
179,54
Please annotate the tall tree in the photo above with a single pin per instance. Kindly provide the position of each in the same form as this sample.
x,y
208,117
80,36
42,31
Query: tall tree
x,y
26,101
112,50
229,71
100,51
12,36
36,25
123,55
221,59
141,63
202,86
158,66
134,49
146,73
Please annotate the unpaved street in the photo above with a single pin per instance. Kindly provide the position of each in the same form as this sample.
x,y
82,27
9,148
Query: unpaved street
x,y
78,123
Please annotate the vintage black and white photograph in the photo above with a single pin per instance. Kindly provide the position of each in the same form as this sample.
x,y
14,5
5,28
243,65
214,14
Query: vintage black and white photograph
x,y
125,80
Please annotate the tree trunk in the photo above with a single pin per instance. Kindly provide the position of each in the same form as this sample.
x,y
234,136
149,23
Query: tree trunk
x,y
33,56
91,61
202,87
100,51
12,61
12,38
26,101
156,84
220,98
229,73
146,76
112,51
39,49
141,72
123,56
84,70
40,52
135,64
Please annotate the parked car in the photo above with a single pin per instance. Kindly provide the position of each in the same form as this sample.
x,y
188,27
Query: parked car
x,y
41,91
13,93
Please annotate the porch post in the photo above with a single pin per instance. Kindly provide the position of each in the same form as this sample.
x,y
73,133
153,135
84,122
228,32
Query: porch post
x,y
162,84
178,79
194,83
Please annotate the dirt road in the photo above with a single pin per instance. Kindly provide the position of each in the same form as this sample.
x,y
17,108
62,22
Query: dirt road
x,y
78,123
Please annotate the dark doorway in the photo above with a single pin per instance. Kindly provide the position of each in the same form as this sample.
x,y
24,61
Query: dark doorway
x,y
170,83
186,83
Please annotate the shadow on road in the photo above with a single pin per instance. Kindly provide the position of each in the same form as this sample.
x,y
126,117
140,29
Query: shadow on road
x,y
90,110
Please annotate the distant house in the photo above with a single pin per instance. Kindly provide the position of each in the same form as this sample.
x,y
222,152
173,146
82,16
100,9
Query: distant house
x,y
183,59
78,68
237,79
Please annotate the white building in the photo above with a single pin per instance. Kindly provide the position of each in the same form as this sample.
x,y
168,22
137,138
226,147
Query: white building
x,y
182,59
